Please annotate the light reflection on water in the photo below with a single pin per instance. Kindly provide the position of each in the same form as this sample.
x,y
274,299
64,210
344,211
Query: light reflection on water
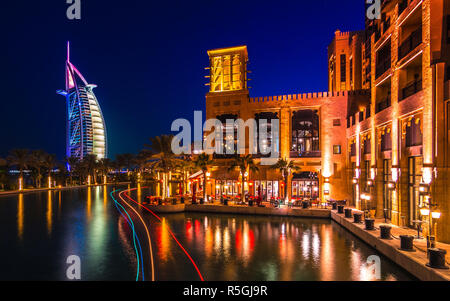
x,y
43,229
268,248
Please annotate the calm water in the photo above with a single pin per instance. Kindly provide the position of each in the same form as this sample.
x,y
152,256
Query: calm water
x,y
40,230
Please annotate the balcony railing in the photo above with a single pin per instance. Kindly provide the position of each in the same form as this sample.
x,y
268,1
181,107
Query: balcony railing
x,y
386,103
383,66
411,43
411,89
311,154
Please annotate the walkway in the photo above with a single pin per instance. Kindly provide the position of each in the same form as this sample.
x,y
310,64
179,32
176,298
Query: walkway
x,y
413,262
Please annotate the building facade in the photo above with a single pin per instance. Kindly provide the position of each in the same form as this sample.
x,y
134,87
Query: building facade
x,y
86,129
379,138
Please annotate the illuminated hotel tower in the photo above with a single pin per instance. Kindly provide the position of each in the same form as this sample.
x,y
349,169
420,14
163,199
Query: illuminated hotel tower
x,y
86,130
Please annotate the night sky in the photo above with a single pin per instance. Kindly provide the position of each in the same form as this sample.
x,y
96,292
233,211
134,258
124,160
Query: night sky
x,y
148,60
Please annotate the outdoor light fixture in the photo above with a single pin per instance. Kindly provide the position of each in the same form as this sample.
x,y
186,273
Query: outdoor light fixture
x,y
391,185
208,174
428,173
373,173
89,180
20,183
355,181
395,170
436,215
425,212
49,182
316,189
246,174
424,188
370,183
357,172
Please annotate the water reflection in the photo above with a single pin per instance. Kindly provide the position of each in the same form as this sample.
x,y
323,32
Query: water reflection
x,y
52,225
20,213
266,248
49,212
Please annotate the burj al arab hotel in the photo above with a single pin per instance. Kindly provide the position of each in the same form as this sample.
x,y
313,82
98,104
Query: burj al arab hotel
x,y
86,129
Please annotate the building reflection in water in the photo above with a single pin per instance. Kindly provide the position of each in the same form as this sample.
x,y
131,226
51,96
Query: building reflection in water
x,y
89,202
163,238
20,216
105,198
49,212
139,194
327,264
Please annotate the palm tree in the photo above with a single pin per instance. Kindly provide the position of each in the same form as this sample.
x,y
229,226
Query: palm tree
x,y
3,173
162,158
185,166
126,161
72,162
285,167
90,166
244,164
203,161
104,166
36,161
20,159
49,162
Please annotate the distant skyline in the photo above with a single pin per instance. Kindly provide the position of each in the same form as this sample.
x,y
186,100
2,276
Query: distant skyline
x,y
148,60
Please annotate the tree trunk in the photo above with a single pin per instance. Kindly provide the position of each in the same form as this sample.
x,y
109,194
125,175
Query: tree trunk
x,y
242,189
286,179
204,186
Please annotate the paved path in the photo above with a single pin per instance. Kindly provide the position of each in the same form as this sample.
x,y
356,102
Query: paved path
x,y
413,262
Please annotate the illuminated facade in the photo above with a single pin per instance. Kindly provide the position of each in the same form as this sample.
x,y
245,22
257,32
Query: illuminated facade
x,y
379,137
86,130
312,134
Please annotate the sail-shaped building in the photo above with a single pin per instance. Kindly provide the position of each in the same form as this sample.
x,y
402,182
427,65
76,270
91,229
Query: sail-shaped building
x,y
86,129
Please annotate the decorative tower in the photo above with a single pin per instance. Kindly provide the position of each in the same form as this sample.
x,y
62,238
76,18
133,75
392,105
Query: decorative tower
x,y
86,129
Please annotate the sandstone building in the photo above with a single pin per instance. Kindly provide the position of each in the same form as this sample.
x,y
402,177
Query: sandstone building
x,y
378,138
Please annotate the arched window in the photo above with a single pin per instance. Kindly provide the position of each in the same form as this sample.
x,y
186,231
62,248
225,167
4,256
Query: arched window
x,y
223,118
305,134
268,116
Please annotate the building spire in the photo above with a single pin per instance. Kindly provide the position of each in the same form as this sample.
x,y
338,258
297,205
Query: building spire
x,y
68,51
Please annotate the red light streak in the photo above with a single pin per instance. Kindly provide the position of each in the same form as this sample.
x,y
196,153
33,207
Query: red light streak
x,y
173,236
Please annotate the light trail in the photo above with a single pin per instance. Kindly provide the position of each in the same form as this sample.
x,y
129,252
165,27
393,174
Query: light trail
x,y
146,229
130,222
171,233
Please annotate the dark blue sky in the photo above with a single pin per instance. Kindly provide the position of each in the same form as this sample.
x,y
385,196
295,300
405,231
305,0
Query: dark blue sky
x,y
148,60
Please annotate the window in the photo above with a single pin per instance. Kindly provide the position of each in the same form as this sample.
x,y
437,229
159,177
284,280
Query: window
x,y
387,195
305,134
223,119
448,29
353,149
337,149
336,122
367,146
343,68
413,132
414,178
386,141
268,116
351,71
361,116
